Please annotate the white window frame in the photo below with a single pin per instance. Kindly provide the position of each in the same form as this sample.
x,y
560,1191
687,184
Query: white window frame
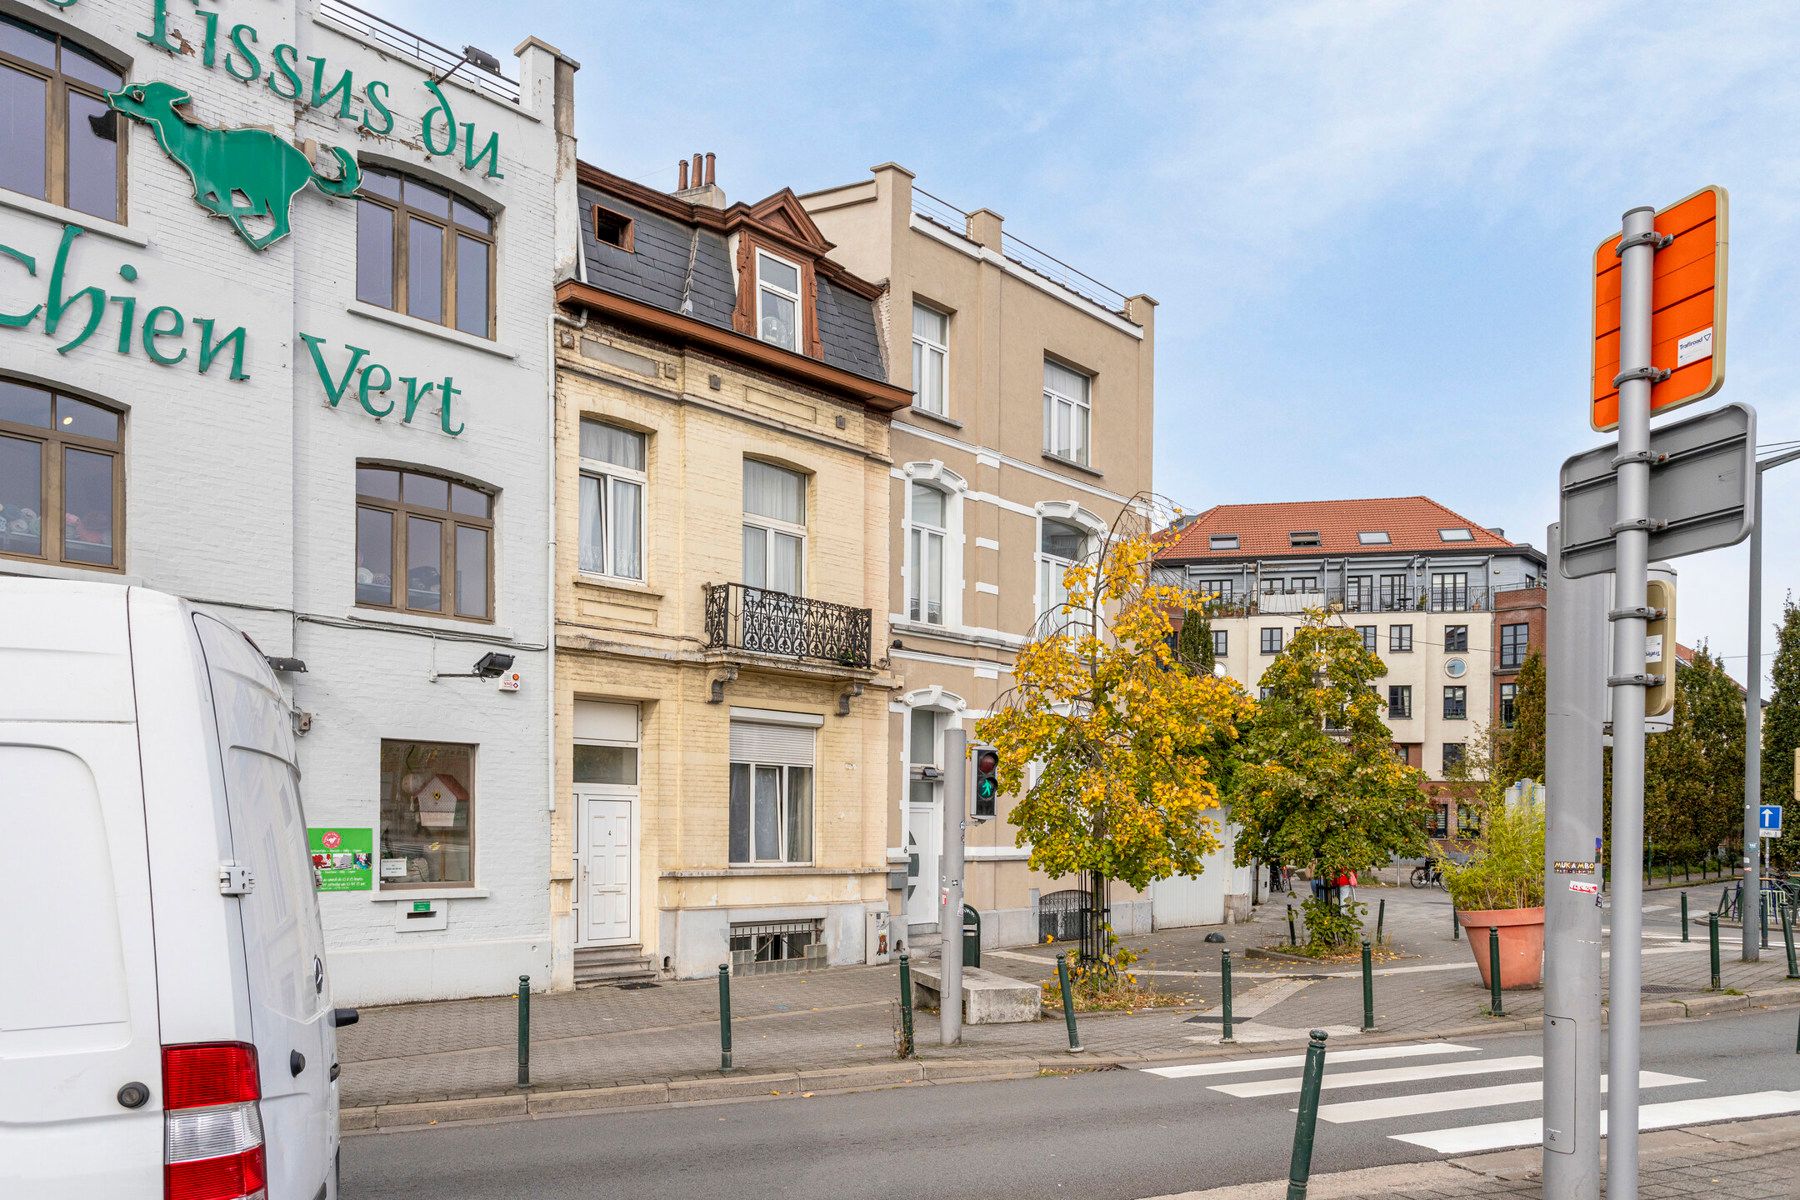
x,y
806,721
607,473
923,349
1049,561
799,307
918,571
770,526
1078,451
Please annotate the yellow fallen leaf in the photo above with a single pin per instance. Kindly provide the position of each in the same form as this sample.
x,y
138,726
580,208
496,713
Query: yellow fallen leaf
x,y
806,1095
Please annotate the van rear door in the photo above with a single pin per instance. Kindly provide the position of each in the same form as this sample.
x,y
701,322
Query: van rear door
x,y
78,1014
284,944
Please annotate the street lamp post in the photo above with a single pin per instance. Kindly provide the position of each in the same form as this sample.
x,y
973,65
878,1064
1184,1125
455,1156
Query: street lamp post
x,y
1752,885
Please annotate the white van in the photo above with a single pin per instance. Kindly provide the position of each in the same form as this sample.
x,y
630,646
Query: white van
x,y
166,1029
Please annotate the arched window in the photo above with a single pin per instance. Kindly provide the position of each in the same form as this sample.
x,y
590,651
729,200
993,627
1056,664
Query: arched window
x,y
926,557
59,139
1061,545
424,251
62,478
414,532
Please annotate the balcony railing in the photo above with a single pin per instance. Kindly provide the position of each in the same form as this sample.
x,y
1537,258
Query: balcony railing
x,y
1039,262
438,59
1353,600
759,621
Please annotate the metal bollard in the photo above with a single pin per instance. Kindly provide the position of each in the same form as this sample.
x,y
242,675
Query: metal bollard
x,y
1762,914
1225,996
1787,935
1068,995
906,1006
1712,935
1380,918
1293,939
1494,1003
1455,925
1300,1165
1368,1025
1684,919
724,1016
524,1031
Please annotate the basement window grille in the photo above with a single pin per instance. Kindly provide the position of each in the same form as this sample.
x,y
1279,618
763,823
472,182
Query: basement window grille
x,y
772,947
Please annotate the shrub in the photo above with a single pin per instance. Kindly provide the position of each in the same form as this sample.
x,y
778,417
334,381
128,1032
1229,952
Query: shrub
x,y
1506,867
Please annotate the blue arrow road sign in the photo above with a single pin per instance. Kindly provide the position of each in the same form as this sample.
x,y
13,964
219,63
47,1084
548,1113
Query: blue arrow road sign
x,y
1769,820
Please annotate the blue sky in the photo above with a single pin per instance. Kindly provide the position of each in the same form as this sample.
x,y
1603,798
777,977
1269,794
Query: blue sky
x,y
1368,225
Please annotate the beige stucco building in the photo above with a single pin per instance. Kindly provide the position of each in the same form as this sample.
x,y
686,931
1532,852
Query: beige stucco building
x,y
1028,431
723,501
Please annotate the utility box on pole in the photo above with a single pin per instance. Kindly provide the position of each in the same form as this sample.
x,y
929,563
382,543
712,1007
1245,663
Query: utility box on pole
x,y
1659,645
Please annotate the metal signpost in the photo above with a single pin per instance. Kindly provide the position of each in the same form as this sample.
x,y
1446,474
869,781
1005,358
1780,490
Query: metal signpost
x,y
1659,340
950,887
1753,675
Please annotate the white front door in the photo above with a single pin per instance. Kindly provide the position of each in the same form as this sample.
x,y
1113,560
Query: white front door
x,y
924,837
607,875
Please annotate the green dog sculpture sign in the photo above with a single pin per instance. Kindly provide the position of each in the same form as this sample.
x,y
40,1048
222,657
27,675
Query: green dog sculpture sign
x,y
226,164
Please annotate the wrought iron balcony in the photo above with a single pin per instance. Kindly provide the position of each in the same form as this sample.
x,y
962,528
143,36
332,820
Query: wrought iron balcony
x,y
759,621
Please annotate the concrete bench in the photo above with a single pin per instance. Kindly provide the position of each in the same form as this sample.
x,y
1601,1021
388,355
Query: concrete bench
x,y
988,998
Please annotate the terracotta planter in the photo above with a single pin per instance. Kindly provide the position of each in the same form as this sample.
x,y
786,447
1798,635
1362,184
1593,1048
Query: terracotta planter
x,y
1521,944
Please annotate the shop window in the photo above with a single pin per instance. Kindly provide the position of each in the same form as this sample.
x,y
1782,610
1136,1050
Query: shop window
x,y
427,814
424,543
59,139
62,478
612,500
424,251
771,801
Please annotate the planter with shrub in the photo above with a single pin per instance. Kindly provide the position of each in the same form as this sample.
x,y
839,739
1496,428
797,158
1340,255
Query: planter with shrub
x,y
1501,886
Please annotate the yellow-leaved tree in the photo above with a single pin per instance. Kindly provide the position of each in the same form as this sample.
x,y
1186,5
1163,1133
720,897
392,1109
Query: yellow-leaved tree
x,y
1126,746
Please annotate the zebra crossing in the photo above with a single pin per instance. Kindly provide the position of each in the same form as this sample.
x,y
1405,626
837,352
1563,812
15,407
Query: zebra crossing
x,y
1414,1083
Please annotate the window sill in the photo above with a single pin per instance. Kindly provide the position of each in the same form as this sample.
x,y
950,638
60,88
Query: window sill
x,y
773,869
44,570
624,587
457,337
478,630
940,418
1072,465
392,894
70,216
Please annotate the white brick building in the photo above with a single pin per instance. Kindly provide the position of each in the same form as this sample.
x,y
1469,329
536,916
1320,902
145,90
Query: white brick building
x,y
183,410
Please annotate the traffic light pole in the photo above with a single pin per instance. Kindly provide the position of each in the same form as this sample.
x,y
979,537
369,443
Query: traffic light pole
x,y
1631,539
1575,714
950,887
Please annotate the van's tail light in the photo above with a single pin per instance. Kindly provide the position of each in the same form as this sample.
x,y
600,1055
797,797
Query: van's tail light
x,y
212,1127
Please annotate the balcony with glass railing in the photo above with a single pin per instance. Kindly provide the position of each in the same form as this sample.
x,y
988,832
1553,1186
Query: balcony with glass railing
x,y
1426,598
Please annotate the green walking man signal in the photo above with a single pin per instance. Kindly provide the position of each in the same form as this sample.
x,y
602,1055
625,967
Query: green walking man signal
x,y
987,783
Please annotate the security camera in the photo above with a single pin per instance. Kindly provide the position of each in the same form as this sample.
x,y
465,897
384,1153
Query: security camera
x,y
492,666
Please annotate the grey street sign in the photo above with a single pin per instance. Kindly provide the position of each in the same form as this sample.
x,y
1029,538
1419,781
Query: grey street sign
x,y
1702,491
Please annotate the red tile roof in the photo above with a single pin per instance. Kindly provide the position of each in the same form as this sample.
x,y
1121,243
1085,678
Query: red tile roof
x,y
1411,523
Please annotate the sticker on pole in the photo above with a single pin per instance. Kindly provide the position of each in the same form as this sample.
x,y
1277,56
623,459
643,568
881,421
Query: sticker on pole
x,y
1687,310
1584,887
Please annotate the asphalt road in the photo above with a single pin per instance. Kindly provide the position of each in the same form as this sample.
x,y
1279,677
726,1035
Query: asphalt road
x,y
1111,1135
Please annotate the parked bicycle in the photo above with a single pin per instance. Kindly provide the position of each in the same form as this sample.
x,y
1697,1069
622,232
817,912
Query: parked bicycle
x,y
1427,875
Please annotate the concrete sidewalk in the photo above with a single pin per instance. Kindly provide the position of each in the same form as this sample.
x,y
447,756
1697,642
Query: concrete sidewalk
x,y
832,1030
1742,1160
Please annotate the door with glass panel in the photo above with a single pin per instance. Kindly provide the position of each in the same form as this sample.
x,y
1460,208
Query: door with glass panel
x,y
924,815
606,806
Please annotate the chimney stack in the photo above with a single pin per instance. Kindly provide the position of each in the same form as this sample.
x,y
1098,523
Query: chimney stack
x,y
696,183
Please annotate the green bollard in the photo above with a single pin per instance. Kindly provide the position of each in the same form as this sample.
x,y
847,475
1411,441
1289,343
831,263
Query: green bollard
x,y
1455,925
524,1031
1787,935
1300,1165
1762,913
1684,919
1712,935
724,1016
1495,1008
1225,997
1368,1025
906,1007
1293,939
1380,918
1068,995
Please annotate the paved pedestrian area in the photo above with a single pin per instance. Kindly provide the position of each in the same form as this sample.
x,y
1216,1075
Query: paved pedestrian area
x,y
1426,985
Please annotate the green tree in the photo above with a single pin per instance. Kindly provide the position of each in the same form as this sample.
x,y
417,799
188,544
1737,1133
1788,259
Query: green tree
x,y
1319,786
1194,644
1781,727
1519,751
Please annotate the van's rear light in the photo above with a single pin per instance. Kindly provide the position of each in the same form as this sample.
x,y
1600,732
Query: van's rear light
x,y
212,1127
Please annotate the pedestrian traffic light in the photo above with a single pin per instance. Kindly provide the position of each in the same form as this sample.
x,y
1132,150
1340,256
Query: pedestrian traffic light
x,y
987,783
1659,646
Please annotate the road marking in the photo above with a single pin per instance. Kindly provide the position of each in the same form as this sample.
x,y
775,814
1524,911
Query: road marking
x,y
1233,1066
1413,1074
1505,1134
1420,1103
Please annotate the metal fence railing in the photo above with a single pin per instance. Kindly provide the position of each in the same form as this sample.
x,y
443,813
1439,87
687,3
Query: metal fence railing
x,y
436,58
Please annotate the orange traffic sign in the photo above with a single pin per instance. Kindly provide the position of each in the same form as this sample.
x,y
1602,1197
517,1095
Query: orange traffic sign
x,y
1687,309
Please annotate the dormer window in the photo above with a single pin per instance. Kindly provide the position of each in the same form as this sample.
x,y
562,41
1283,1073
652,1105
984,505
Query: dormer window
x,y
1301,538
1375,537
777,301
613,229
1456,535
1222,541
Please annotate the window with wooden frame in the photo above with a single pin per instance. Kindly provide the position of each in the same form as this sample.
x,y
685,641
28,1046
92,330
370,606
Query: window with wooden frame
x,y
778,301
424,544
62,478
59,139
614,229
424,251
